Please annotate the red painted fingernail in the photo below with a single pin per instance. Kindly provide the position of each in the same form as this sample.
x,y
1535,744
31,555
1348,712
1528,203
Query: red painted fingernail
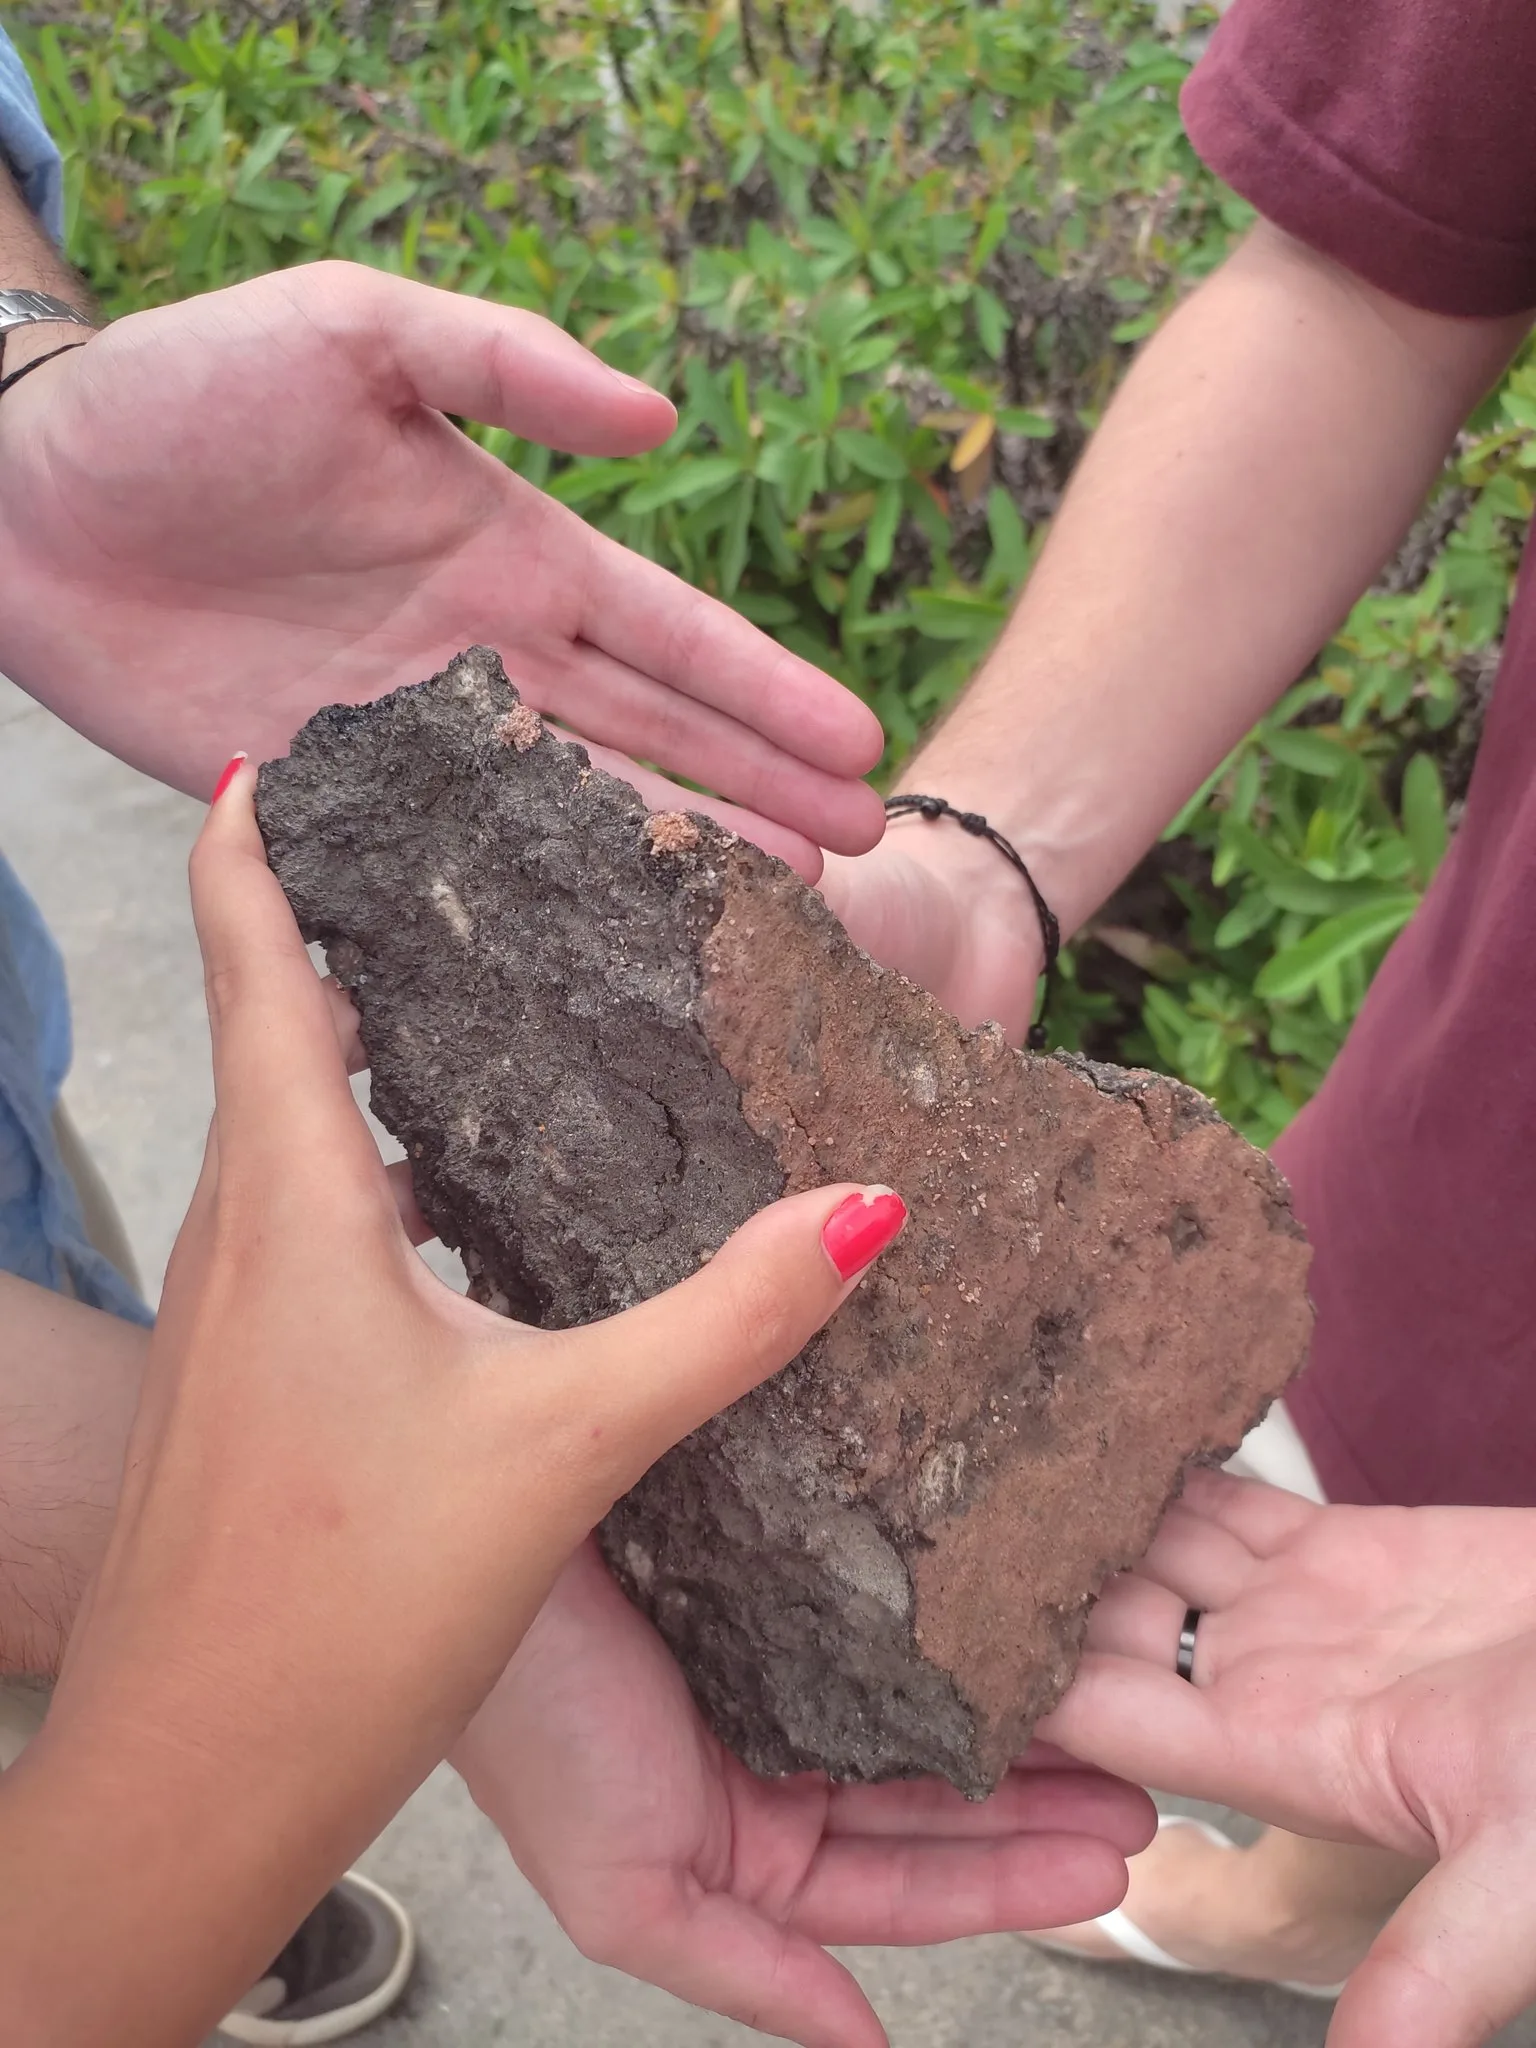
x,y
859,1229
237,762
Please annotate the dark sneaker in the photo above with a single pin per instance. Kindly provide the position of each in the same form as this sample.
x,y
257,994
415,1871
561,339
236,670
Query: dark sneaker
x,y
346,1965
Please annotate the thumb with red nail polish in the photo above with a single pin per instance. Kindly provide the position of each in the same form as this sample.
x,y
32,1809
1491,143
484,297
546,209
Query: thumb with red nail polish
x,y
860,1228
231,769
690,1352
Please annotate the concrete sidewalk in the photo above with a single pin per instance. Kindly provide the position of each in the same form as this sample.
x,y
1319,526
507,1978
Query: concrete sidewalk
x,y
104,850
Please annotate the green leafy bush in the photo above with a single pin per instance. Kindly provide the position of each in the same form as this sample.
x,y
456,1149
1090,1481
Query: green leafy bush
x,y
890,262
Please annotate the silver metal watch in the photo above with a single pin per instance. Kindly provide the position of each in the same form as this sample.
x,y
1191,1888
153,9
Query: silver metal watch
x,y
22,308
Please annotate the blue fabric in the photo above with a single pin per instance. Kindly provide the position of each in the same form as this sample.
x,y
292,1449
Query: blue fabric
x,y
42,1233
26,144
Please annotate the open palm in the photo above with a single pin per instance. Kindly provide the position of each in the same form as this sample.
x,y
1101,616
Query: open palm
x,y
661,1855
220,515
1363,1675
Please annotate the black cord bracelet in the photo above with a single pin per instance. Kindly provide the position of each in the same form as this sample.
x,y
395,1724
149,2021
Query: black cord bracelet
x,y
36,363
973,822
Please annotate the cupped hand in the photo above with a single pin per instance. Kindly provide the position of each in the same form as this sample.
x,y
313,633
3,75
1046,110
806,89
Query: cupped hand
x,y
348,1489
1363,1675
220,515
663,1856
947,913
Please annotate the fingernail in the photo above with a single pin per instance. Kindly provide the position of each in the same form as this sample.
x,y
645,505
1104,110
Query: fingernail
x,y
237,762
859,1229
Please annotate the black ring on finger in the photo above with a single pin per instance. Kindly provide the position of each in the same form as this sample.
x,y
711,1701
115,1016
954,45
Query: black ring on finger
x,y
1184,1663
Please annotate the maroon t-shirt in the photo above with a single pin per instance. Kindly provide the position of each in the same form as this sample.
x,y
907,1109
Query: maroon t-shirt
x,y
1399,138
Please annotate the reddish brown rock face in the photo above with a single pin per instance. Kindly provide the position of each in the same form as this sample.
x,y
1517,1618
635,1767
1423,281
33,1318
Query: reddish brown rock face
x,y
606,1039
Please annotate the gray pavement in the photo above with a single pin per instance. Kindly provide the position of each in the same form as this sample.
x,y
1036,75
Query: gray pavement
x,y
104,851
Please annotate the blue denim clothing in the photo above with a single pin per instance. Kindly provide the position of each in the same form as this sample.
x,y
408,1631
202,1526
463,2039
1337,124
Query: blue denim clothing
x,y
42,1233
26,144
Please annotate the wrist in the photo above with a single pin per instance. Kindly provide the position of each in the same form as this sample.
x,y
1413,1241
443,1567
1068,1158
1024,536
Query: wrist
x,y
36,321
144,1891
950,913
1055,816
987,890
24,350
20,346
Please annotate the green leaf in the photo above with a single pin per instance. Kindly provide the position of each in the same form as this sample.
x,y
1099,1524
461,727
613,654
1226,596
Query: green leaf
x,y
957,614
795,147
379,205
690,478
330,194
182,55
870,454
993,229
1424,824
1311,753
1035,426
1246,785
1256,910
992,322
765,607
744,163
738,536
1137,329
585,482
1315,896
870,354
1193,805
882,625
1010,540
1295,972
968,393
262,154
880,535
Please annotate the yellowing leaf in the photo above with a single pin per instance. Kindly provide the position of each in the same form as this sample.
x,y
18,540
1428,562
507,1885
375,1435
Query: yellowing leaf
x,y
973,443
841,517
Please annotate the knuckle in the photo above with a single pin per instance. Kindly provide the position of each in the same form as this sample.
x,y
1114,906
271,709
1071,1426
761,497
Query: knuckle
x,y
335,282
672,731
759,1322
348,307
692,638
202,865
223,987
519,325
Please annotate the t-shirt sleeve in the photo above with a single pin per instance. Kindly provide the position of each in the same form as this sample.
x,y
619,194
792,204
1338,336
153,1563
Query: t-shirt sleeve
x,y
1396,136
26,145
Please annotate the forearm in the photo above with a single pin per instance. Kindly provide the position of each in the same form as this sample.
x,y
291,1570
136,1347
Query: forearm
x,y
149,1873
228,1734
30,261
69,1381
1261,462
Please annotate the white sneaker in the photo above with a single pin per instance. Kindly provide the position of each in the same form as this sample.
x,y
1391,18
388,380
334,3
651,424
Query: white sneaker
x,y
346,1965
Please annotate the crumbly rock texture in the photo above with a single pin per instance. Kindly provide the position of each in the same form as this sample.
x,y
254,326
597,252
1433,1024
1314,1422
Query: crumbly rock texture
x,y
605,1038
